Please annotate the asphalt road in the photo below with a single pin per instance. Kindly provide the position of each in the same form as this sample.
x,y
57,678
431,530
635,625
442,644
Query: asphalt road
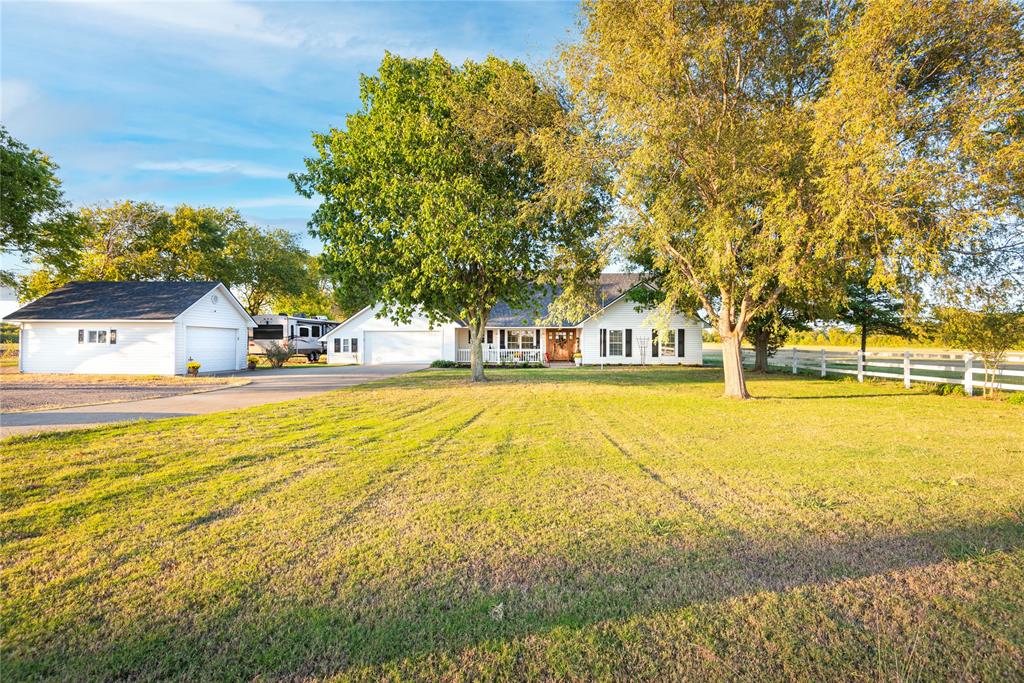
x,y
267,386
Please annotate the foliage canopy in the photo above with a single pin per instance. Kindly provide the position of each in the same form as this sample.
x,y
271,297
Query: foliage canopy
x,y
759,148
436,195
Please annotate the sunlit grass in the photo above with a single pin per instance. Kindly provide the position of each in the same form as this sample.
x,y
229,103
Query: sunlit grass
x,y
551,523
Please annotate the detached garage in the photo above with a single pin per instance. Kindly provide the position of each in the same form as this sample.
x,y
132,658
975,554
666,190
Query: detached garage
x,y
133,328
368,339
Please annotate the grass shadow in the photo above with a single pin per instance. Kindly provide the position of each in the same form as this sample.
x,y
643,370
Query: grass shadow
x,y
314,633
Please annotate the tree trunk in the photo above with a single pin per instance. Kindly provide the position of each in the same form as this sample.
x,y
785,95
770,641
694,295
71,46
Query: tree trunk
x,y
863,338
761,351
732,364
476,351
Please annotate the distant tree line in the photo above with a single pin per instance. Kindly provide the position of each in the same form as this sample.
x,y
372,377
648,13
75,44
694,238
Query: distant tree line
x,y
267,268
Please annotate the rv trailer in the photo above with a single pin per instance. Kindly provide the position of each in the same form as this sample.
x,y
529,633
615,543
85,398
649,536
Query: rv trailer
x,y
302,333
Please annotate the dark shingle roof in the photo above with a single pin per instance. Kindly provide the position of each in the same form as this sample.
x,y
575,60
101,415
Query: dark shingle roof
x,y
114,301
609,287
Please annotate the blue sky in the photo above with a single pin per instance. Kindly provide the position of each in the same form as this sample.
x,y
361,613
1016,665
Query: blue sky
x,y
213,103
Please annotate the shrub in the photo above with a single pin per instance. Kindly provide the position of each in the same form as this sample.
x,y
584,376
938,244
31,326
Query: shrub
x,y
440,363
949,390
277,354
1016,399
193,367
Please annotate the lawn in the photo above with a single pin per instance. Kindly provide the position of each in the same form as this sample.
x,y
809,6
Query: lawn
x,y
588,524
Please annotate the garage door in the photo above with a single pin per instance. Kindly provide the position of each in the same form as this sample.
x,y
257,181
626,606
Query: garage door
x,y
215,348
421,346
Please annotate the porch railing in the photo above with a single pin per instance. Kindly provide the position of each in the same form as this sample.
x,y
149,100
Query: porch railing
x,y
494,356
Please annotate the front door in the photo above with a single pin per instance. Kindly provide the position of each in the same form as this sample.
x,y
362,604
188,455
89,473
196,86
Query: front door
x,y
561,344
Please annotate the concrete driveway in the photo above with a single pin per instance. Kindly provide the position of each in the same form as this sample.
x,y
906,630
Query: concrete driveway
x,y
267,386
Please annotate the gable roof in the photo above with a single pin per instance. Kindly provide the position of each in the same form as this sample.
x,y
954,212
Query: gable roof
x,y
115,301
610,286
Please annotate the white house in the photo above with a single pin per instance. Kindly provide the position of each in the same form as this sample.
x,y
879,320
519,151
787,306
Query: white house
x,y
133,328
617,334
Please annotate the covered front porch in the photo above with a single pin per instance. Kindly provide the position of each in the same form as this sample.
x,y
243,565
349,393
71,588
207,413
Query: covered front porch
x,y
521,345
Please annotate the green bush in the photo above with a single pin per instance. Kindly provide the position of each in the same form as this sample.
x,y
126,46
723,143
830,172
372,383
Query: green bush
x,y
278,354
949,390
1016,399
444,364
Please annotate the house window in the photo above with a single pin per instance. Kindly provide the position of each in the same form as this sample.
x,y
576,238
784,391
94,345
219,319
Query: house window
x,y
615,342
346,345
337,345
268,332
520,339
355,345
668,344
97,336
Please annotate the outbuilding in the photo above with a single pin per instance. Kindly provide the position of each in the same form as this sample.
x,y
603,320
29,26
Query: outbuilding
x,y
133,328
370,339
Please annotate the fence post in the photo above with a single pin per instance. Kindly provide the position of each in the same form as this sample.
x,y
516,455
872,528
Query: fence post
x,y
794,360
906,369
823,362
969,374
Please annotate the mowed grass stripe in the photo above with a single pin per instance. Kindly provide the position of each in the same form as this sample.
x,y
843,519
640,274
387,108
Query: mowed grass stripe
x,y
567,524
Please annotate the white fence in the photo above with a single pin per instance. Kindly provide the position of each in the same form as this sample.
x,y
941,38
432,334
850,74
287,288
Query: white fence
x,y
494,356
910,366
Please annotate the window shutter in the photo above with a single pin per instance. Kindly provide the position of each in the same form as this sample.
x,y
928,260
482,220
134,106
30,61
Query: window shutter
x,y
81,336
501,339
680,336
355,344
604,342
337,344
490,336
629,343
536,339
654,343
112,336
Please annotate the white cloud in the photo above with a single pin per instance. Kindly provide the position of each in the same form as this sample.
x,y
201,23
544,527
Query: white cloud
x,y
222,19
270,202
214,166
14,95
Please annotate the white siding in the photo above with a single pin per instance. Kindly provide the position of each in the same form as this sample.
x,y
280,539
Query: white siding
x,y
206,313
366,321
141,348
621,316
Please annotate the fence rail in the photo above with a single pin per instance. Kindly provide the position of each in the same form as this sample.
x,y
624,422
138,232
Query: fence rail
x,y
502,356
963,369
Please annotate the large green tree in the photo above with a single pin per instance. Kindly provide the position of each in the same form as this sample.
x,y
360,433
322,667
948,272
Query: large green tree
x,y
35,218
265,264
320,296
436,196
142,241
873,311
759,148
